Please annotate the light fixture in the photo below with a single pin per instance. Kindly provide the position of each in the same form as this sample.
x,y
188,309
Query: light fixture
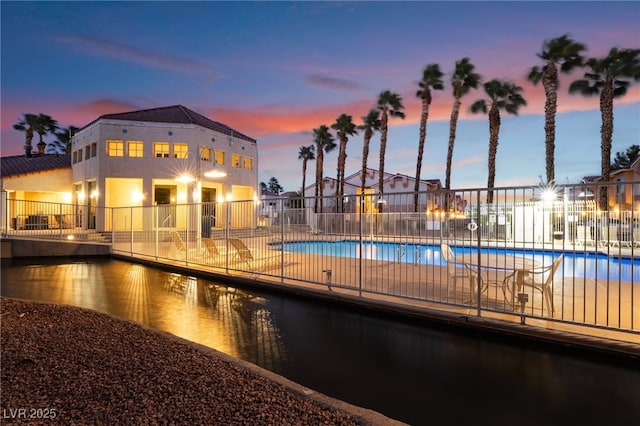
x,y
215,174
185,178
381,200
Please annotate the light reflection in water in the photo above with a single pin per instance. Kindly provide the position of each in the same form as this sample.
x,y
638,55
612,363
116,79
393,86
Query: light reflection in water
x,y
227,319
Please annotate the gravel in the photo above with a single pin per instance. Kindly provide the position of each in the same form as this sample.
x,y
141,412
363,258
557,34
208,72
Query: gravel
x,y
68,365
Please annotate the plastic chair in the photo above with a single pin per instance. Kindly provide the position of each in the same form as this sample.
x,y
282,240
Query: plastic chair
x,y
542,280
458,270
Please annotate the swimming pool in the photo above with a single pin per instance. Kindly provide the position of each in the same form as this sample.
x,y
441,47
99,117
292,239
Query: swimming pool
x,y
575,264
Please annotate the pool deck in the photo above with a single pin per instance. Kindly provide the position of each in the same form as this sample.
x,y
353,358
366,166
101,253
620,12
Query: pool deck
x,y
312,282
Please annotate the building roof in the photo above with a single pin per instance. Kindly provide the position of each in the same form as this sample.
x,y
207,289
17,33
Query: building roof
x,y
20,165
174,114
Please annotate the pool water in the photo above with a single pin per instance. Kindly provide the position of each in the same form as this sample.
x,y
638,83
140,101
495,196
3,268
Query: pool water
x,y
575,264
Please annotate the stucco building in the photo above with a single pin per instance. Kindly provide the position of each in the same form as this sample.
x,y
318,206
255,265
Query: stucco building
x,y
161,156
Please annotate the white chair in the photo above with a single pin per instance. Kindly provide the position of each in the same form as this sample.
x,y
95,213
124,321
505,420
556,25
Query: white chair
x,y
458,270
610,236
583,236
541,279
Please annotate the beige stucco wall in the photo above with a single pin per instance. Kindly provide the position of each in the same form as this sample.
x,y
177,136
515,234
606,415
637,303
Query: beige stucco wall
x,y
152,170
54,181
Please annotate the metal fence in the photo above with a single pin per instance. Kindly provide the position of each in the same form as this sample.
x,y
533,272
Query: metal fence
x,y
386,246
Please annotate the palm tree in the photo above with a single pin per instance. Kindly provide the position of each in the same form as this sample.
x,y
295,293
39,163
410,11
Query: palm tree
x,y
324,143
503,95
26,124
370,124
344,128
431,78
609,77
305,153
558,51
462,81
63,141
389,104
44,124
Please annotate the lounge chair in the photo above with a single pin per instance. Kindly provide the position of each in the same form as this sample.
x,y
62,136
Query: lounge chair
x,y
610,236
257,259
583,236
178,248
213,253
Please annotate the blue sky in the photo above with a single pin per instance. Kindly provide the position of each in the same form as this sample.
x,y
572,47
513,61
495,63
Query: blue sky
x,y
276,70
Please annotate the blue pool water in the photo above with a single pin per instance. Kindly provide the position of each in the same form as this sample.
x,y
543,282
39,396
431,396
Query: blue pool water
x,y
575,264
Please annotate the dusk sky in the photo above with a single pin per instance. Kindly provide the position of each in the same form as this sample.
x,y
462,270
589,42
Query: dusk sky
x,y
276,70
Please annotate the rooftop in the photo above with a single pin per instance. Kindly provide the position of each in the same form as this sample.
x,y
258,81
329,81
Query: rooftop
x,y
175,114
18,165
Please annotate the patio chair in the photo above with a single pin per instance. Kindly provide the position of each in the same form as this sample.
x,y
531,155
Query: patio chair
x,y
213,252
178,248
458,270
541,279
610,236
583,236
61,222
255,259
636,236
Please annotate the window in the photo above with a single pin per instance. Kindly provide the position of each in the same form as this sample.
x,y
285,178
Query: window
x,y
134,148
248,163
235,161
180,150
220,157
87,152
161,149
75,157
94,149
205,154
79,155
115,148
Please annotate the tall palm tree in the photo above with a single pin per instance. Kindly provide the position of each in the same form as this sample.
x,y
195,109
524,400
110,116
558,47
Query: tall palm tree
x,y
609,77
44,124
305,153
344,127
462,81
389,104
561,51
503,95
324,143
63,140
26,124
431,79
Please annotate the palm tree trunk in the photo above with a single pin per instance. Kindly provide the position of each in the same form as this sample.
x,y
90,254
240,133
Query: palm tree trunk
x,y
304,179
452,137
494,130
550,83
342,159
383,148
319,182
606,133
426,100
368,133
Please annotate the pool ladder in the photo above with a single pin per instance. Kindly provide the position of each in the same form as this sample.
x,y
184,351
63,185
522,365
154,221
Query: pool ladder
x,y
402,253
